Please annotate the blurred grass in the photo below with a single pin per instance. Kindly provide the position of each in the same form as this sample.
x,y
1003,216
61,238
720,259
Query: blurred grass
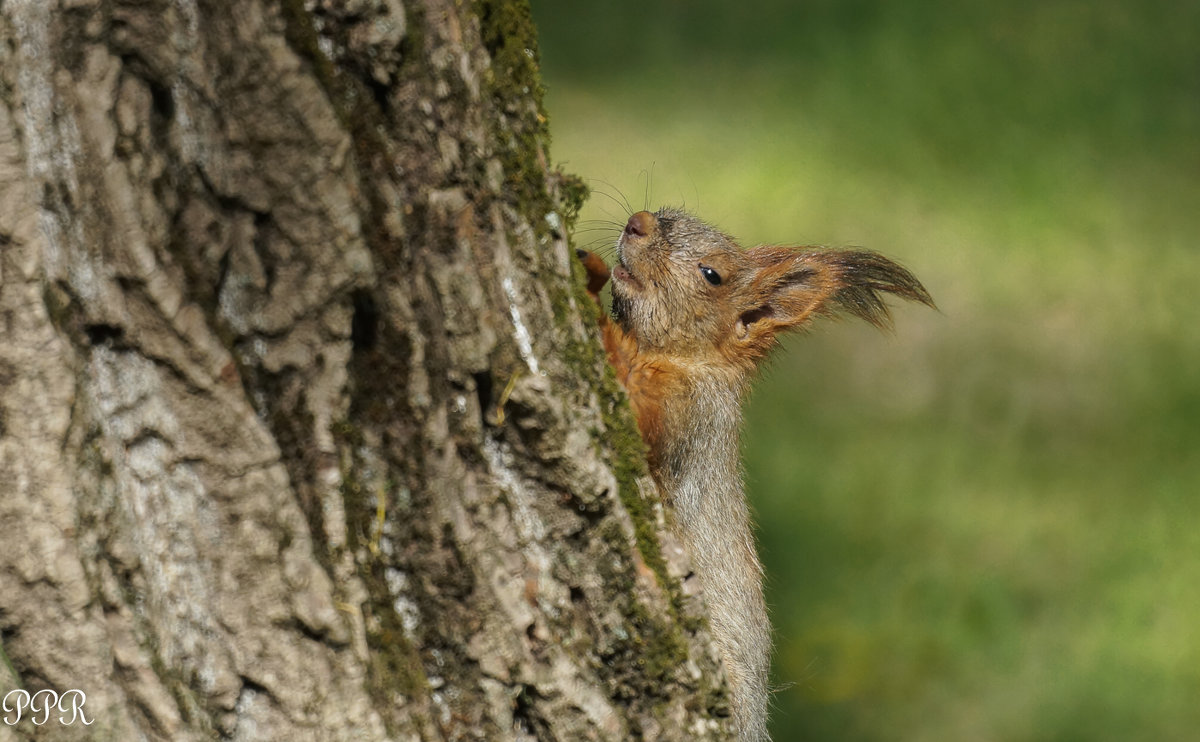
x,y
985,526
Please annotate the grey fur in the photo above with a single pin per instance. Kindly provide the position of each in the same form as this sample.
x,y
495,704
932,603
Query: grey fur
x,y
704,480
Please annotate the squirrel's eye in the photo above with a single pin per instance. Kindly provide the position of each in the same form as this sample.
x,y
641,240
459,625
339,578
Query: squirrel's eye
x,y
710,275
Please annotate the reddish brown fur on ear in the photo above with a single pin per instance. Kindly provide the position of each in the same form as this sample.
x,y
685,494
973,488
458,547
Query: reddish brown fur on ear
x,y
791,285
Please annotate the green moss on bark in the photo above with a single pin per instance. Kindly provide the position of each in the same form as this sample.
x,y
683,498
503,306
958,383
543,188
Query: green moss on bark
x,y
394,663
520,127
8,665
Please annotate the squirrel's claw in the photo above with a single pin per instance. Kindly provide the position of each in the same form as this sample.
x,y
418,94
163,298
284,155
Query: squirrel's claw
x,y
597,272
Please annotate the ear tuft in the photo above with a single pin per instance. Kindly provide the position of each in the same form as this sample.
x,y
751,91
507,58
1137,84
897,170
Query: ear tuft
x,y
862,276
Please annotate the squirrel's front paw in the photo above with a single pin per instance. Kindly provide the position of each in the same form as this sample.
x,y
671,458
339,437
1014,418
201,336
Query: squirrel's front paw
x,y
597,272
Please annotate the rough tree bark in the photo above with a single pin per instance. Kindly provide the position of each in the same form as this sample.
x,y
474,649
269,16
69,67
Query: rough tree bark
x,y
304,429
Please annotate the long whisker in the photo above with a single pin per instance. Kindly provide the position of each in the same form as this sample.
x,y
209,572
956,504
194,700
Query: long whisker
x,y
602,222
649,186
623,202
606,251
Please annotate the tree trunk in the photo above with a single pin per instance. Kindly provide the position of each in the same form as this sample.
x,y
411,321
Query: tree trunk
x,y
304,428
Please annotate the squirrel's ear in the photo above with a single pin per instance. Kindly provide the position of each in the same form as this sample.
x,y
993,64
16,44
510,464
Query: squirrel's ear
x,y
791,286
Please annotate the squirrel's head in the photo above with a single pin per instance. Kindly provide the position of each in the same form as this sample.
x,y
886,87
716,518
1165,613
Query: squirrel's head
x,y
689,291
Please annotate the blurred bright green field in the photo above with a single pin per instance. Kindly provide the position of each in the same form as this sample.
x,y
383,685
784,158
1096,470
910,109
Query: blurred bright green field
x,y
985,526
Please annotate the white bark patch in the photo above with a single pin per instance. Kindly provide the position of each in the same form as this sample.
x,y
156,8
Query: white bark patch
x,y
172,526
406,609
530,528
509,578
185,42
524,339
52,147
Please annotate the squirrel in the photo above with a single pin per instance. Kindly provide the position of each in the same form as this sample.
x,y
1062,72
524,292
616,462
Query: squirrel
x,y
693,316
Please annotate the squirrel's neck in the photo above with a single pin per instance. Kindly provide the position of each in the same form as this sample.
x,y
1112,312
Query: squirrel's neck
x,y
701,429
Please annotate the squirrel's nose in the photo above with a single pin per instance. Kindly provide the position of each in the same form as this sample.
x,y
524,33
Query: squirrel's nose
x,y
640,224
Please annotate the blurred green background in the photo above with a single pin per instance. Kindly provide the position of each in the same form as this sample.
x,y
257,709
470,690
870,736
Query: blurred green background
x,y
985,525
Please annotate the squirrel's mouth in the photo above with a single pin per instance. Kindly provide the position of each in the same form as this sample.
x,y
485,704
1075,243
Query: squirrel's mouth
x,y
623,274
